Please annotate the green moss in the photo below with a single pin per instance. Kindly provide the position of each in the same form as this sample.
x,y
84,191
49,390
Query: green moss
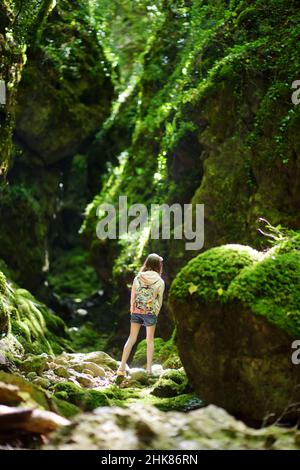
x,y
165,353
267,283
64,408
168,353
31,394
90,399
27,325
184,402
35,327
2,283
208,276
34,363
4,317
70,392
25,22
83,398
71,275
87,339
22,226
271,288
171,384
95,398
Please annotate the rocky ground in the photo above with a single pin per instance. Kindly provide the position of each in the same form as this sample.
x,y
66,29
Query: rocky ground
x,y
145,427
75,401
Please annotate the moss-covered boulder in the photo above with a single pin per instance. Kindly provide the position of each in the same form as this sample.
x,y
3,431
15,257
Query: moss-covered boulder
x,y
165,353
16,391
148,428
237,314
27,325
171,384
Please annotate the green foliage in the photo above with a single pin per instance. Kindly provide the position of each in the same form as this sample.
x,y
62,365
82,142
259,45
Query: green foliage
x,y
200,56
67,39
86,339
136,22
282,239
71,275
20,210
27,17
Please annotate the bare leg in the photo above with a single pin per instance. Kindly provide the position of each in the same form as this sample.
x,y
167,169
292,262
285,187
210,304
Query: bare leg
x,y
150,346
134,331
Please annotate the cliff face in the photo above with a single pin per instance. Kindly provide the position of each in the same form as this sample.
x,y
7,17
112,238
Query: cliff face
x,y
62,99
182,101
19,27
194,105
65,91
207,118
201,113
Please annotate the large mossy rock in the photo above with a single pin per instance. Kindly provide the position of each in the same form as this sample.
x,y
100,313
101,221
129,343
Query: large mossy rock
x,y
237,314
145,427
27,325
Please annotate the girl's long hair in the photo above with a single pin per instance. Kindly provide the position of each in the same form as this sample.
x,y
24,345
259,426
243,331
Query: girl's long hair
x,y
153,262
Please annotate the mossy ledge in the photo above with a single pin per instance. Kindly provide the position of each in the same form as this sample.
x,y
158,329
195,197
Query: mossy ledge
x,y
27,325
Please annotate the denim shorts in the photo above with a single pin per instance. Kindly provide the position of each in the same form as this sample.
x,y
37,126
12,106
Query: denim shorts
x,y
146,319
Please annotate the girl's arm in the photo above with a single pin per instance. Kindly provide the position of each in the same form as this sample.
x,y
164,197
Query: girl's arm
x,y
133,295
160,294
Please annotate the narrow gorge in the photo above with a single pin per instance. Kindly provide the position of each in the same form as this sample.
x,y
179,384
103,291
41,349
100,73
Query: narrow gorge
x,y
165,102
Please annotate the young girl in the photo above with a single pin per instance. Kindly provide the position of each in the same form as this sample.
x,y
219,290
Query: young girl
x,y
146,300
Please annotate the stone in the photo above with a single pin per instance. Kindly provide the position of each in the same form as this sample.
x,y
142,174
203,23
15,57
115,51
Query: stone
x,y
170,384
145,427
42,382
31,420
31,375
62,372
93,369
102,359
235,329
139,375
85,380
10,394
